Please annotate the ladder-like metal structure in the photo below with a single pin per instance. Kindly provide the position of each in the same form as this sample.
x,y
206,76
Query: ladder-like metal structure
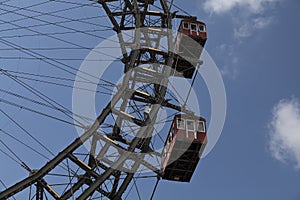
x,y
133,108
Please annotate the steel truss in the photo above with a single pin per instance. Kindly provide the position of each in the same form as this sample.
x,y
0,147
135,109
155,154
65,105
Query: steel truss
x,y
114,157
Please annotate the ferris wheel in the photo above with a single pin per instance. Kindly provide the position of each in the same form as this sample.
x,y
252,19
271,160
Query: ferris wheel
x,y
144,129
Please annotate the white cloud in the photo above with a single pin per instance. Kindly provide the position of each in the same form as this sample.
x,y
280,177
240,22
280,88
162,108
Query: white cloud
x,y
247,29
285,132
244,31
222,6
248,17
262,22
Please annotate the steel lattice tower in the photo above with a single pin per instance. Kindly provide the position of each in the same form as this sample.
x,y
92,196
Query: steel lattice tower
x,y
92,174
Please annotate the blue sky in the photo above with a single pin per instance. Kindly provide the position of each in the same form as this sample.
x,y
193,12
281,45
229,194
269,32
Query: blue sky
x,y
255,44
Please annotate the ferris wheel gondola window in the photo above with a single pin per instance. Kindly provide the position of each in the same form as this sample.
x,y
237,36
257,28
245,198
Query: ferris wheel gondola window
x,y
180,124
186,25
193,27
200,126
201,28
190,125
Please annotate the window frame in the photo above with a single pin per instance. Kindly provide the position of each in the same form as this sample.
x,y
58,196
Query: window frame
x,y
201,25
187,126
203,125
188,25
177,123
195,26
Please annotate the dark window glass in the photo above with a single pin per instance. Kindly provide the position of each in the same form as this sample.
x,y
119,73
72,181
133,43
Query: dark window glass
x,y
201,28
194,27
186,25
200,126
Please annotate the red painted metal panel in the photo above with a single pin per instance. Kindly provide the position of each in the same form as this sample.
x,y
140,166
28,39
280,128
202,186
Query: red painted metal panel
x,y
193,34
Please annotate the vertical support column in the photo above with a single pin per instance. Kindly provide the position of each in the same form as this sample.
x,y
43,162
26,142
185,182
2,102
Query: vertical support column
x,y
39,191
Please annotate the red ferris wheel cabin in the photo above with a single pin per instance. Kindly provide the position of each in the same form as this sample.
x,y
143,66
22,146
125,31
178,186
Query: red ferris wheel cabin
x,y
190,32
183,148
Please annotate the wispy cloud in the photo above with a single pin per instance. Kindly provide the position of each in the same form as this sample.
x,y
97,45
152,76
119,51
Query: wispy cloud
x,y
248,17
248,28
285,132
229,68
222,6
262,22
